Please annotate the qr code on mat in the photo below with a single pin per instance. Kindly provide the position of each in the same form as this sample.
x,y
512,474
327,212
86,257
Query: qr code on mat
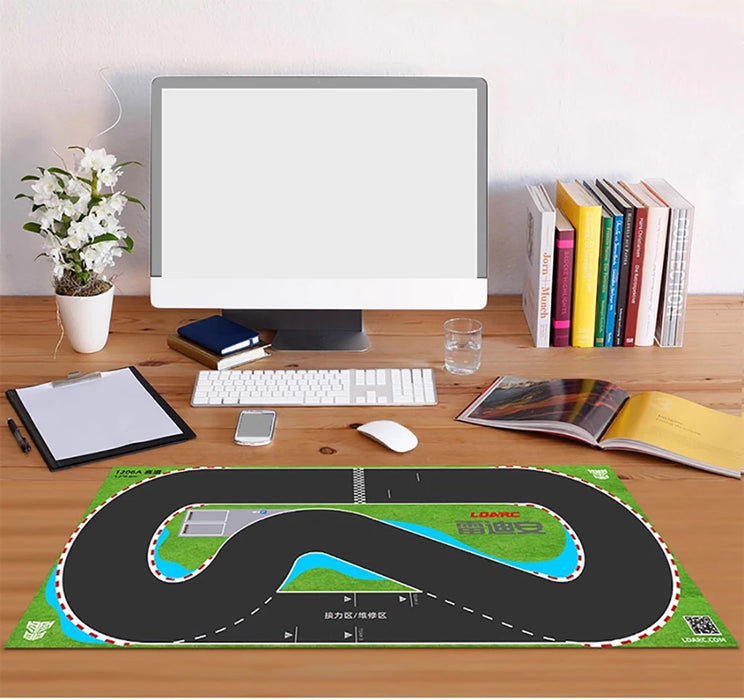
x,y
702,624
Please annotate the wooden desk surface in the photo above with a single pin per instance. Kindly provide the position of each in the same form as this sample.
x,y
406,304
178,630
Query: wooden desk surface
x,y
700,515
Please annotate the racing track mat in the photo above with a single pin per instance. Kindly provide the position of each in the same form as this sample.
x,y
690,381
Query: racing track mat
x,y
415,556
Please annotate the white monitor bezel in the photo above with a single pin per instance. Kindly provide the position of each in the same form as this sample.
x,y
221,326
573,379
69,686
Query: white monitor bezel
x,y
367,293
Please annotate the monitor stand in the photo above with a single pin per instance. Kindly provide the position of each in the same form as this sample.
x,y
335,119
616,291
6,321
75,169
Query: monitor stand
x,y
318,329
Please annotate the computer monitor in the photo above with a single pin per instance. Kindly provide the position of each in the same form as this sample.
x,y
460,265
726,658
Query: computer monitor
x,y
294,203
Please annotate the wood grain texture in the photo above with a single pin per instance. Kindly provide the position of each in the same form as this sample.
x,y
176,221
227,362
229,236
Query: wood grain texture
x,y
700,515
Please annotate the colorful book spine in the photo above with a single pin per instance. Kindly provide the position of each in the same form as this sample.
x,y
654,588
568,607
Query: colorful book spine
x,y
640,217
657,225
609,209
617,242
626,254
634,282
538,280
673,299
560,335
603,282
584,214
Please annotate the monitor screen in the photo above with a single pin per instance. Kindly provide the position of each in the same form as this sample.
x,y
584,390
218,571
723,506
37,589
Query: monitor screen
x,y
319,193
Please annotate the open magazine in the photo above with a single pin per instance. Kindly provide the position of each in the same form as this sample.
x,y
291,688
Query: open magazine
x,y
604,415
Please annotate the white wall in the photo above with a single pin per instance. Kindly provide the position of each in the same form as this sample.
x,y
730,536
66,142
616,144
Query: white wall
x,y
578,88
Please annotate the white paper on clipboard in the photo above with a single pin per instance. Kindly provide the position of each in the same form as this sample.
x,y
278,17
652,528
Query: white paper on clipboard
x,y
106,412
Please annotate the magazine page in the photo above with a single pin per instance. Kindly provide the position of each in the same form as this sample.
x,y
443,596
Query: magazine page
x,y
580,408
681,430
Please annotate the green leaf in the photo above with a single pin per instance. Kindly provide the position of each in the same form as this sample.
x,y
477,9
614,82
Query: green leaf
x,y
129,162
60,171
85,180
32,226
26,196
40,255
38,167
135,200
101,238
79,148
128,244
29,177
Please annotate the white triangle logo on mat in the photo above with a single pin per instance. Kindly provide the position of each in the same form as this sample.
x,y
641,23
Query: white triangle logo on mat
x,y
36,629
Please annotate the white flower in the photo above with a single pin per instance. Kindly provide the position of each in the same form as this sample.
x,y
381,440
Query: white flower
x,y
56,209
81,206
82,231
51,246
44,217
45,188
47,211
111,206
99,211
107,221
112,226
51,210
69,208
108,177
75,188
116,202
99,256
96,160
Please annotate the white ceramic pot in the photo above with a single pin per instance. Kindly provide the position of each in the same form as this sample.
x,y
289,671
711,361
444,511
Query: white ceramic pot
x,y
86,320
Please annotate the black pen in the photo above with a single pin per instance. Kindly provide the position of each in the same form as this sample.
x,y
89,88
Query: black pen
x,y
22,442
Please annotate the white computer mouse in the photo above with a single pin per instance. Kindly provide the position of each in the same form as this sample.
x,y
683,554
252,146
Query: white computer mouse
x,y
393,435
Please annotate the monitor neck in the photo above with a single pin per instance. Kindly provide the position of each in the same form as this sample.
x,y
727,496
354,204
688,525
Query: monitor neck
x,y
316,330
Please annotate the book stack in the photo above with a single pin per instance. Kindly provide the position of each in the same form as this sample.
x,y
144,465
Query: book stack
x,y
607,264
218,343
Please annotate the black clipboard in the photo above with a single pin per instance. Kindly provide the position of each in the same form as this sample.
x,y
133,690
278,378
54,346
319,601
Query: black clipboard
x,y
179,431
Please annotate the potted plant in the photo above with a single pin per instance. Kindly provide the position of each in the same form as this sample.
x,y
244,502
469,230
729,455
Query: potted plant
x,y
76,212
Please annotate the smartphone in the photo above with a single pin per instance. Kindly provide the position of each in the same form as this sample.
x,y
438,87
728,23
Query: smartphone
x,y
255,427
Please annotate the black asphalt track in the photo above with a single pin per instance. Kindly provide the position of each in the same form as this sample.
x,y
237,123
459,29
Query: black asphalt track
x,y
625,587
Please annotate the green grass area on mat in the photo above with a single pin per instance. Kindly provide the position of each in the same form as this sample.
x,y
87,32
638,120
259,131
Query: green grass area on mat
x,y
40,610
328,580
191,552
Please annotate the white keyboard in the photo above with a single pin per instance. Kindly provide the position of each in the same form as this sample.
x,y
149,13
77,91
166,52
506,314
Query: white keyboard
x,y
315,387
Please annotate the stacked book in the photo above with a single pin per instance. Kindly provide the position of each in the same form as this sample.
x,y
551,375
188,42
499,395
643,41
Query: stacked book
x,y
218,343
608,264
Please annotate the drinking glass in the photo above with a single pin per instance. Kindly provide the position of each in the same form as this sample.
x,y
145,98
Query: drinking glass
x,y
462,345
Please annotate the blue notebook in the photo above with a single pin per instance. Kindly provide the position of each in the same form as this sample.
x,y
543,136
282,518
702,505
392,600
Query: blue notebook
x,y
219,335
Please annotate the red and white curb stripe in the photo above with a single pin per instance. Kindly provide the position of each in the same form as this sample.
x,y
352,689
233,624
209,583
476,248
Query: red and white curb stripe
x,y
153,544
676,583
580,558
59,592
